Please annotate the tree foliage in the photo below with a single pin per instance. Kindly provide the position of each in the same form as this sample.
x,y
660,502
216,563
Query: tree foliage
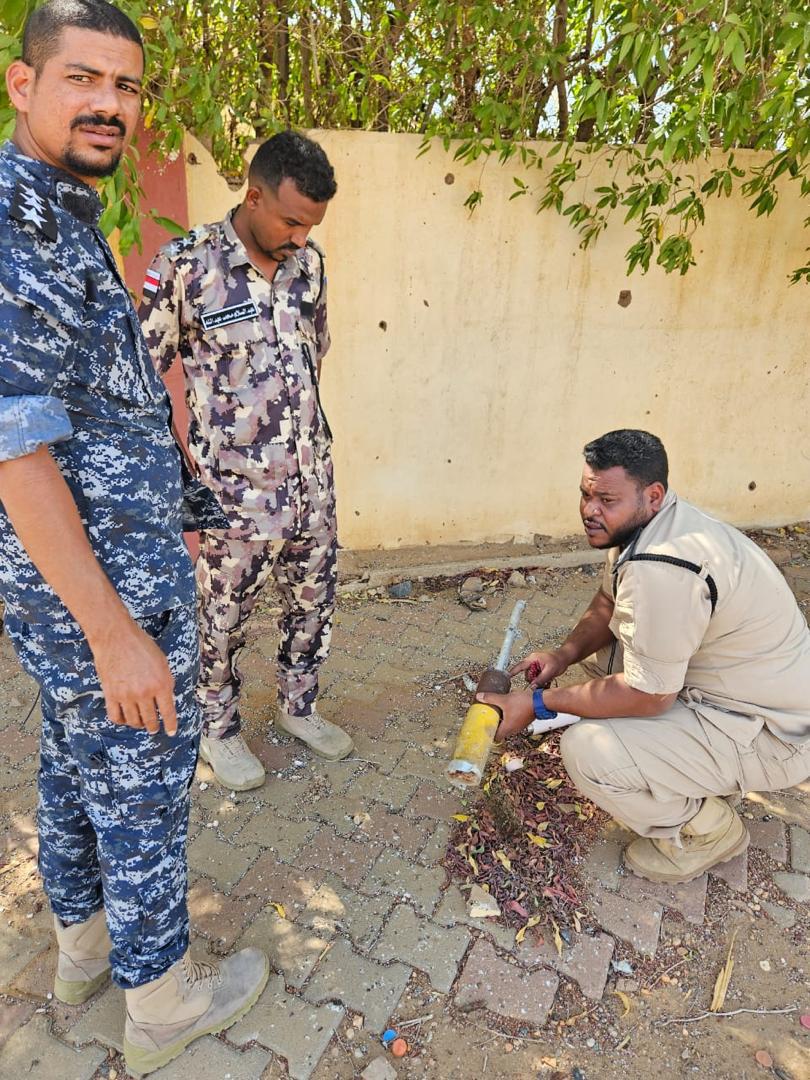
x,y
650,87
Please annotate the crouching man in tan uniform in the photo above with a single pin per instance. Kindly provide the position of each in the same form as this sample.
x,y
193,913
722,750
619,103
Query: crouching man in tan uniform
x,y
699,660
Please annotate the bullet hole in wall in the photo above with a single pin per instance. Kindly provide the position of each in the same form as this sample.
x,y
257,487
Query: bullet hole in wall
x,y
383,325
752,486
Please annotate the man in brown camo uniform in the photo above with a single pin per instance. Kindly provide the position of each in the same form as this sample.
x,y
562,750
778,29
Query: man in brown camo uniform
x,y
244,303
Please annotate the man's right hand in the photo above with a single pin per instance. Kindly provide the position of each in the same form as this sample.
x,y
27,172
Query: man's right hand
x,y
540,668
135,678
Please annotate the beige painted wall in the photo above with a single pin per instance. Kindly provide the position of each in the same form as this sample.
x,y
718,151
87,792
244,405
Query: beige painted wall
x,y
505,350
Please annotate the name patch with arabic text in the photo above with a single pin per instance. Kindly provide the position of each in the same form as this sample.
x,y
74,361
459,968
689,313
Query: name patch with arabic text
x,y
211,320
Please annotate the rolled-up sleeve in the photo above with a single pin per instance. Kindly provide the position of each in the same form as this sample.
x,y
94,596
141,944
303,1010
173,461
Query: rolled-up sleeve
x,y
661,615
27,423
35,346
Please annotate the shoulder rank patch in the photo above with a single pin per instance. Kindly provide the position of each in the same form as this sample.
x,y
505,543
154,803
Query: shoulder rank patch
x,y
226,315
28,205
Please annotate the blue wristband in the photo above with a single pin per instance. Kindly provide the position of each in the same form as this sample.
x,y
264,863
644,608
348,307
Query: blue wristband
x,y
540,710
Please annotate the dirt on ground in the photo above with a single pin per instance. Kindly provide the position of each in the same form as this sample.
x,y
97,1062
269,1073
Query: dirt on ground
x,y
653,1020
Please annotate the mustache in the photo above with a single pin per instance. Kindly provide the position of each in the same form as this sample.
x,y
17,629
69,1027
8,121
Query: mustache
x,y
95,120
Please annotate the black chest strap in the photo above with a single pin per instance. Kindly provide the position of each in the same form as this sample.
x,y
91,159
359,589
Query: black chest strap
x,y
692,567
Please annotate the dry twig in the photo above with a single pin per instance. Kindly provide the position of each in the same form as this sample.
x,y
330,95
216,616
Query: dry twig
x,y
734,1012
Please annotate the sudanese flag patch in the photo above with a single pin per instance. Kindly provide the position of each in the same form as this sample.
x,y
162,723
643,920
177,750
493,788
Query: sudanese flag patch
x,y
152,281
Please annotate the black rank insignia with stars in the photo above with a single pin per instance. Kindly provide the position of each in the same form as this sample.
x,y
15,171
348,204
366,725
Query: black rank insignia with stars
x,y
28,205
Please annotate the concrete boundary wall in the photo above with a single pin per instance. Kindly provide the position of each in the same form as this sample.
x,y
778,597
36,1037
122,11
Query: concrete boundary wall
x,y
474,355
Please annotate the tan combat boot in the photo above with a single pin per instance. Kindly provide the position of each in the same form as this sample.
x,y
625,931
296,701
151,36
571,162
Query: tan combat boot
x,y
324,738
190,1000
234,763
714,835
83,965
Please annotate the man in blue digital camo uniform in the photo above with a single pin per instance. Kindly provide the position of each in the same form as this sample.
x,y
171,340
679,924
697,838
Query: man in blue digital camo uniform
x,y
98,588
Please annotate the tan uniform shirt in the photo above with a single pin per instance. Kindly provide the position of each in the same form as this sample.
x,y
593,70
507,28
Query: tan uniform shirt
x,y
745,665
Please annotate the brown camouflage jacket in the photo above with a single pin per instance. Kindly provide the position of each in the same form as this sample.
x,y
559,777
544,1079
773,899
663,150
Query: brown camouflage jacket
x,y
250,351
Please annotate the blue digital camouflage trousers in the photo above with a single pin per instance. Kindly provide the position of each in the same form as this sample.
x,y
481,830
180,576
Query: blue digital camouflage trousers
x,y
114,800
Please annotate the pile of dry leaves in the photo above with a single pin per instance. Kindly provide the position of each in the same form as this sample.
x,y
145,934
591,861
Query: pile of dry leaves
x,y
524,837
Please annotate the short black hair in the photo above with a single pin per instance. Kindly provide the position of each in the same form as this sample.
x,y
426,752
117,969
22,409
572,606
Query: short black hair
x,y
292,155
43,28
639,453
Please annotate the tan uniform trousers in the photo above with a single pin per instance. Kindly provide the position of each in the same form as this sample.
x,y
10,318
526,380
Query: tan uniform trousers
x,y
652,773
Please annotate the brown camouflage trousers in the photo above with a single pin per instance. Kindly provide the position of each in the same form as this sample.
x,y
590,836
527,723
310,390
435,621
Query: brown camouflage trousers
x,y
230,576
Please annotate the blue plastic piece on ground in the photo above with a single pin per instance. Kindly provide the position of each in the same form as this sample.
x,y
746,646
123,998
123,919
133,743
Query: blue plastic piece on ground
x,y
388,1036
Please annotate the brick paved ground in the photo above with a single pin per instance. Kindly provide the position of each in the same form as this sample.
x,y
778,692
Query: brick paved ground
x,y
336,870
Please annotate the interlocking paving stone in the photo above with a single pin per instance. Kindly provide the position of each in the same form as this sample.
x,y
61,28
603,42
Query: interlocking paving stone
x,y
12,1016
35,981
792,806
769,836
587,961
800,849
782,916
689,898
333,907
430,801
734,872
16,953
34,1054
274,756
288,798
350,860
103,1022
453,910
434,850
278,883
436,950
20,747
219,917
360,715
293,950
416,763
290,1027
340,774
603,864
400,877
394,791
395,831
488,981
384,753
637,922
285,838
338,811
212,1059
796,886
364,984
222,862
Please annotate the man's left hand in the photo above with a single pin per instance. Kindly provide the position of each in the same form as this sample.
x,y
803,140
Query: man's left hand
x,y
517,711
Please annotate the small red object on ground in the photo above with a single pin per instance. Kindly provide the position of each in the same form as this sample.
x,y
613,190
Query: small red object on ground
x,y
764,1059
399,1048
805,1020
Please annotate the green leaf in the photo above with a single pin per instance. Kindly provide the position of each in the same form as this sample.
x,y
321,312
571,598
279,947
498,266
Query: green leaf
x,y
738,56
168,224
